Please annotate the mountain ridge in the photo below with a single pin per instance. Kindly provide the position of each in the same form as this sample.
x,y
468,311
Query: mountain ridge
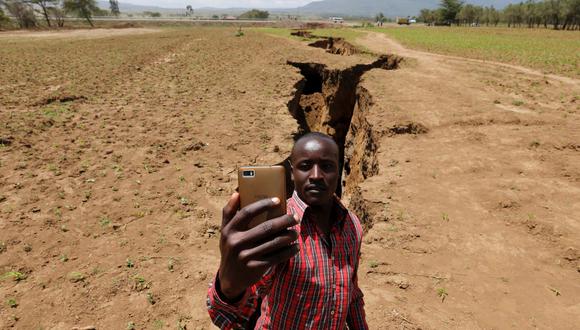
x,y
363,8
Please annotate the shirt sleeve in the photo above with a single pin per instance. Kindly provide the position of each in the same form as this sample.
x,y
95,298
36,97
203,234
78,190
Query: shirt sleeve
x,y
228,316
356,318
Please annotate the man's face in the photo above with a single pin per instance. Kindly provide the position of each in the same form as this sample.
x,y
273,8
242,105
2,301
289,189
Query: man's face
x,y
315,171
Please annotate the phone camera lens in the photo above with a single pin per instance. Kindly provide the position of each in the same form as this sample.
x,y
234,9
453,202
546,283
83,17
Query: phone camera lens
x,y
249,174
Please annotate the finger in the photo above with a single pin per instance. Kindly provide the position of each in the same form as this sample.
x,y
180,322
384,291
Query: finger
x,y
270,228
270,246
229,211
245,215
279,257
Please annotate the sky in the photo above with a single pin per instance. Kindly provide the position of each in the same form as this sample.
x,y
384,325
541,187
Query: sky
x,y
221,3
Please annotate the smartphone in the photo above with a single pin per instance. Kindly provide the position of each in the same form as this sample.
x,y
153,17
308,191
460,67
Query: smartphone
x,y
260,182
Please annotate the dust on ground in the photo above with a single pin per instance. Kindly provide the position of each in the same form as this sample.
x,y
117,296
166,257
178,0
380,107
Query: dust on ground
x,y
114,166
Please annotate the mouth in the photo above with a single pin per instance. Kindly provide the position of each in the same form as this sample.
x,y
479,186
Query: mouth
x,y
315,189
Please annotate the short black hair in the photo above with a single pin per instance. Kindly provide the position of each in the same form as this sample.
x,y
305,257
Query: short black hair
x,y
313,136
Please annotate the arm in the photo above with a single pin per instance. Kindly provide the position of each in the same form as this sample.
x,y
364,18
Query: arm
x,y
227,314
356,318
248,260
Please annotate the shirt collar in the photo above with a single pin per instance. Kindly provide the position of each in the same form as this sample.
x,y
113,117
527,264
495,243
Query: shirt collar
x,y
338,207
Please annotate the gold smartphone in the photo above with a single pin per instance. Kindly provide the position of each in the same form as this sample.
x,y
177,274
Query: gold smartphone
x,y
260,182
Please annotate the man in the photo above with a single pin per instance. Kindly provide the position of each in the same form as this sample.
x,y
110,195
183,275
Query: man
x,y
302,266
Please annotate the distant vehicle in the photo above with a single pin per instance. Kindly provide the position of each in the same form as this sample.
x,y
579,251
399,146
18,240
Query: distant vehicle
x,y
336,20
403,20
412,21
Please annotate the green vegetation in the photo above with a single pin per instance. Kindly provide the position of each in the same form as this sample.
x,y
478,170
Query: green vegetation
x,y
4,20
547,50
564,14
255,14
442,293
82,8
12,303
151,14
16,276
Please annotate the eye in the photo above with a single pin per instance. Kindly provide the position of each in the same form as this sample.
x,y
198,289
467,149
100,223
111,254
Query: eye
x,y
328,166
304,166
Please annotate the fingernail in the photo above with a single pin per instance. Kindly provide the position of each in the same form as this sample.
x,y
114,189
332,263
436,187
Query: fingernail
x,y
296,217
276,200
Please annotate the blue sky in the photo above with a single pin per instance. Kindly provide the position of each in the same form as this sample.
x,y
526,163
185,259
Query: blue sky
x,y
221,3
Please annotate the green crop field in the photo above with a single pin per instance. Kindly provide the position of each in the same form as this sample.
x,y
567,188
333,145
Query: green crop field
x,y
546,50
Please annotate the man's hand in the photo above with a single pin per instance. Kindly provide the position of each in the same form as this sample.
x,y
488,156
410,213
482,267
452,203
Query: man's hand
x,y
246,254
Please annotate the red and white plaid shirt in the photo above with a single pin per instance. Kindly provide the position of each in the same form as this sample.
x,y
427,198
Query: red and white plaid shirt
x,y
316,289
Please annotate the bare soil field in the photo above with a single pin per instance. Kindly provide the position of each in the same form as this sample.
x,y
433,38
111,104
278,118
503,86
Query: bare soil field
x,y
118,153
80,33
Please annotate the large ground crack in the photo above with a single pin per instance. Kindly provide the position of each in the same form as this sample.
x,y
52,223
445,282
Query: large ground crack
x,y
326,101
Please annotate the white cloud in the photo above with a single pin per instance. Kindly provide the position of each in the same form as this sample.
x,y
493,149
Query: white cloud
x,y
222,3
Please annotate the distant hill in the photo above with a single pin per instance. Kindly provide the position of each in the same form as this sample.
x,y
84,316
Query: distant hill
x,y
351,8
387,7
131,8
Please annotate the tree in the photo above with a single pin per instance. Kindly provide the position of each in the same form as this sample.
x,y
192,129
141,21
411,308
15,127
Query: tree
x,y
571,15
255,14
114,6
189,10
380,18
82,8
450,9
45,6
3,18
22,12
58,15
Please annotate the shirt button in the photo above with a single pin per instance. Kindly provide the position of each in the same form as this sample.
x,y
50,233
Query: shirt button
x,y
331,312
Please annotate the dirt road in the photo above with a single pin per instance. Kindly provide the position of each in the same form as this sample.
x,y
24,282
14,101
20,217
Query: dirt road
x,y
115,163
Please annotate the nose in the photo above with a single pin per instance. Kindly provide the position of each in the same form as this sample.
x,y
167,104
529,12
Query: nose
x,y
316,173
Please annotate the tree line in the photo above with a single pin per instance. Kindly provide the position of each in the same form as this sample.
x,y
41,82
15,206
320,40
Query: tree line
x,y
53,12
559,14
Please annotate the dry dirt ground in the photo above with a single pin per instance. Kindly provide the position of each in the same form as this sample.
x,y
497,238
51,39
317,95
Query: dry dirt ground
x,y
117,154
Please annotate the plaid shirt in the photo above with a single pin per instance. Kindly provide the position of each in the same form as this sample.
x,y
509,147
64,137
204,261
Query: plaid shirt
x,y
317,289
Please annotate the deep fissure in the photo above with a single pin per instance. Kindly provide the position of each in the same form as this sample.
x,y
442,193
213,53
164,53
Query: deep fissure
x,y
325,101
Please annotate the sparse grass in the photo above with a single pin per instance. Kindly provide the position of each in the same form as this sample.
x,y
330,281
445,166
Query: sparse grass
x,y
373,264
518,103
12,303
104,221
75,277
131,325
445,217
58,111
547,50
151,299
16,276
442,293
158,324
140,283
